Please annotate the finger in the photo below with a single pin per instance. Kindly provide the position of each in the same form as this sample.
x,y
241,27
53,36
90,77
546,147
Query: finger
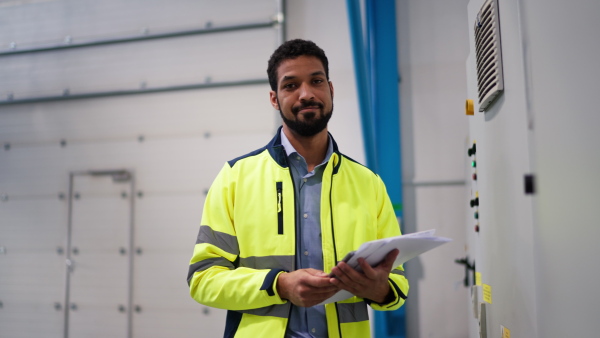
x,y
351,273
367,269
315,272
317,282
347,277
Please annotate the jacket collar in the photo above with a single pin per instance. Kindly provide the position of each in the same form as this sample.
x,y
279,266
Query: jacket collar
x,y
277,151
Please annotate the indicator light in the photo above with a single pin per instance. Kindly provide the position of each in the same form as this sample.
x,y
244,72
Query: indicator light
x,y
473,164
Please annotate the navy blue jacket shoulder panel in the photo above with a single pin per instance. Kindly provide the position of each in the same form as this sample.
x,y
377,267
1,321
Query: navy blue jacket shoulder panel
x,y
277,152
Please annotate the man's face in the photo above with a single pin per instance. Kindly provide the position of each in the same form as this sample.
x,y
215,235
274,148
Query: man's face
x,y
304,97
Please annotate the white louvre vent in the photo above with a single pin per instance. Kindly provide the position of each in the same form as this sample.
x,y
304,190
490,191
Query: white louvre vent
x,y
488,55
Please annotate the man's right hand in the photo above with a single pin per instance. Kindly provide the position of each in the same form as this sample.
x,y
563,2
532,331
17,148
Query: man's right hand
x,y
305,287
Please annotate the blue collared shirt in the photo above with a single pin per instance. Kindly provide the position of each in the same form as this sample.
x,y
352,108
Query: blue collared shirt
x,y
307,322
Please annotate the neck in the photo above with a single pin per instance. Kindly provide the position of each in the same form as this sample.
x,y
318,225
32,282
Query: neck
x,y
312,148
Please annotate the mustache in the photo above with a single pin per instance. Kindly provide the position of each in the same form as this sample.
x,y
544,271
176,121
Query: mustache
x,y
306,104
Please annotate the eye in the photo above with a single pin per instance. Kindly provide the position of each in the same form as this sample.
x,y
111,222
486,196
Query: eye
x,y
289,85
318,81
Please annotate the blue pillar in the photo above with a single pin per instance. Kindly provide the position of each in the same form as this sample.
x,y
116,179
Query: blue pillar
x,y
378,92
363,87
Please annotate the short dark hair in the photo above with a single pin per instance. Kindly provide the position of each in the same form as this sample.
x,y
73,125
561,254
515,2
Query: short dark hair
x,y
291,50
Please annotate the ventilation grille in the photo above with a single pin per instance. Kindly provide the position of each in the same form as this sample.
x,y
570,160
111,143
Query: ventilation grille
x,y
488,55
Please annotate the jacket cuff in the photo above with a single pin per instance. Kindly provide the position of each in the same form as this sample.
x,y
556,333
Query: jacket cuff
x,y
270,282
398,296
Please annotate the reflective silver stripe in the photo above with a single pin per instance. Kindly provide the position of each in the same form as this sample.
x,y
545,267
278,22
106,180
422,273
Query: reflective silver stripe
x,y
207,263
219,239
268,262
398,272
352,312
280,310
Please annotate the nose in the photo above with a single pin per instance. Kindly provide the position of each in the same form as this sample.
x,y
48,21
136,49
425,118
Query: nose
x,y
306,93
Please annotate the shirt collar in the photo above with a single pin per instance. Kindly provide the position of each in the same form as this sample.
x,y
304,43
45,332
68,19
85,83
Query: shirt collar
x,y
290,150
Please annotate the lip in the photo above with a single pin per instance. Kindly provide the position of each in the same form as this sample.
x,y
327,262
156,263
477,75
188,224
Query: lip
x,y
311,108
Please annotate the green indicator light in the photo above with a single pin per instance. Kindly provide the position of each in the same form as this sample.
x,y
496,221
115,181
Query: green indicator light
x,y
473,164
476,215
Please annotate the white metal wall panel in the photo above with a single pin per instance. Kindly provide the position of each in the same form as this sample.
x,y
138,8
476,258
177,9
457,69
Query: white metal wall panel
x,y
151,64
563,52
432,47
173,142
99,251
32,269
28,22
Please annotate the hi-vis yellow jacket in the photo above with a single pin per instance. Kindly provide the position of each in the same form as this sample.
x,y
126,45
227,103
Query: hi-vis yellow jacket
x,y
247,238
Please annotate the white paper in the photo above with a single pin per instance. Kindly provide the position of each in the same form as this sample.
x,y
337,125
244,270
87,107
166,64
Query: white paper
x,y
410,246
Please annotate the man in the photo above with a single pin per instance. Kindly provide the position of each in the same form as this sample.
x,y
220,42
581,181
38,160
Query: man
x,y
277,221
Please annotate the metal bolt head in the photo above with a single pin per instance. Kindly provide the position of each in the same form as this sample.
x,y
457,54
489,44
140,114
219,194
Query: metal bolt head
x,y
4,197
140,194
63,143
68,39
13,45
10,97
141,138
121,308
122,251
124,194
73,306
75,251
138,309
62,196
6,146
206,311
60,250
208,24
76,196
57,306
66,92
138,251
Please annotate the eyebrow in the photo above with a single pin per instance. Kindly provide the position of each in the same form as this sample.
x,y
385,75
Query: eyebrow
x,y
285,78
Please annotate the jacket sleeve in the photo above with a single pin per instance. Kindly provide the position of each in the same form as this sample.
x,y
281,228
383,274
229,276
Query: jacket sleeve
x,y
388,227
214,278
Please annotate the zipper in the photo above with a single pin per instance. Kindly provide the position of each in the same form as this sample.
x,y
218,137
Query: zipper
x,y
279,186
337,312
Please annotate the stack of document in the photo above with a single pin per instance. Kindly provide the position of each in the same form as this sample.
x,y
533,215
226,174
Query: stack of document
x,y
409,245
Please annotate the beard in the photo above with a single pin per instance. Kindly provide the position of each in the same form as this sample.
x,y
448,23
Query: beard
x,y
312,124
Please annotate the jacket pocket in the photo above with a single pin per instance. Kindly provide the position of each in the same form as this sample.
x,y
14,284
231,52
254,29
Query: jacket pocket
x,y
279,186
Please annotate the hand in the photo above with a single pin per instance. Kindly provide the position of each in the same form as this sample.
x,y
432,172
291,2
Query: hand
x,y
372,283
305,287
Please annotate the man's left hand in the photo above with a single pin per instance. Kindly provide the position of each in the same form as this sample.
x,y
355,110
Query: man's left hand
x,y
372,283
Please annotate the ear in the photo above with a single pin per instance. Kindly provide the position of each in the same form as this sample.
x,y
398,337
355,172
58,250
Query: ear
x,y
331,88
273,99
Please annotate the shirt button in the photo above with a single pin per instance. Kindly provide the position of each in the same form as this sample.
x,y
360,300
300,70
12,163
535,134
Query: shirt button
x,y
298,158
305,215
305,253
305,180
313,330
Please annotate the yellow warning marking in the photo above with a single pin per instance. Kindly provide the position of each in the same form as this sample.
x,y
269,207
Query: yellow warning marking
x,y
487,293
505,332
477,278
